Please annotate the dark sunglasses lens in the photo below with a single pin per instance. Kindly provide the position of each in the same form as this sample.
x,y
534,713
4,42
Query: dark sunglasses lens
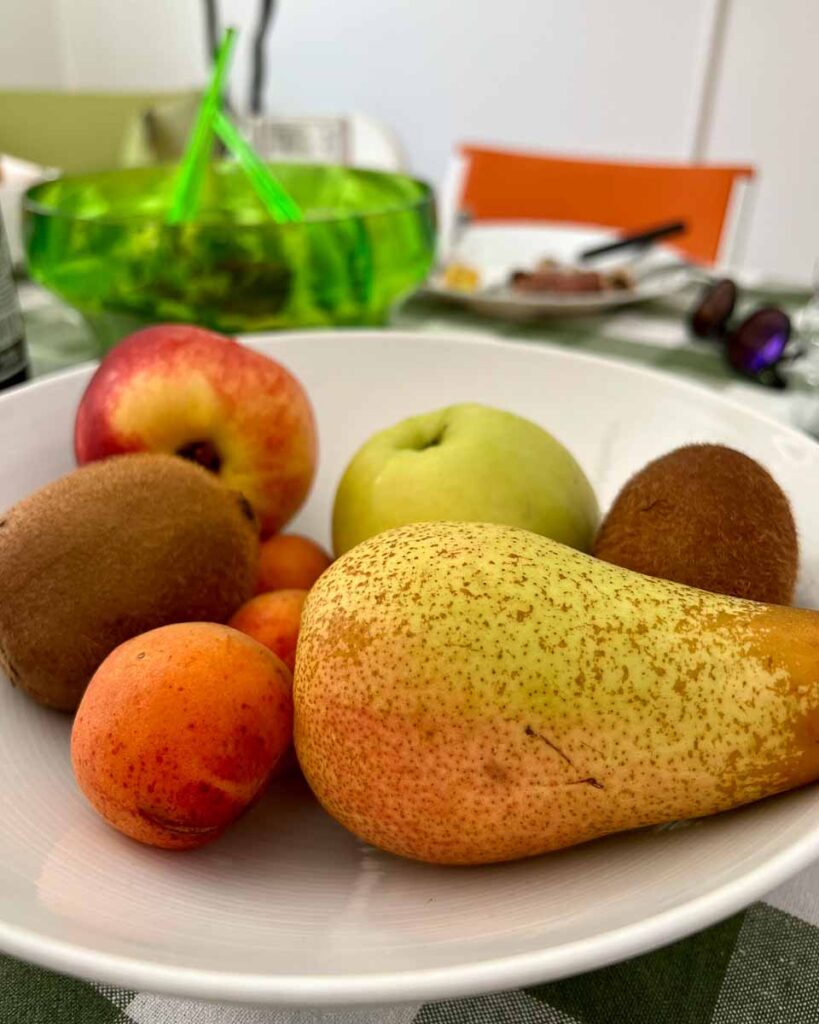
x,y
714,308
760,341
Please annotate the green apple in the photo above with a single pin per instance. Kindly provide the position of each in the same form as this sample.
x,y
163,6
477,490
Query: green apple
x,y
466,463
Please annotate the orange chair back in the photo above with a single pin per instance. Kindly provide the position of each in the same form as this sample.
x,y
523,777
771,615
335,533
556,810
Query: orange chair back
x,y
504,185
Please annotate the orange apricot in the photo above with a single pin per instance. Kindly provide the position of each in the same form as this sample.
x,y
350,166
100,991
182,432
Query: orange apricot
x,y
273,619
289,561
179,731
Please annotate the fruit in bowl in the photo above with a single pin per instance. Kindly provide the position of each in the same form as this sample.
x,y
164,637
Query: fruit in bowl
x,y
707,516
182,390
289,561
273,620
468,693
466,463
180,730
109,551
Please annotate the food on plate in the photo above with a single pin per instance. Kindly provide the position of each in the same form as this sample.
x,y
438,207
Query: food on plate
x,y
466,462
566,279
179,731
707,516
549,276
289,561
460,277
469,692
273,620
186,391
109,551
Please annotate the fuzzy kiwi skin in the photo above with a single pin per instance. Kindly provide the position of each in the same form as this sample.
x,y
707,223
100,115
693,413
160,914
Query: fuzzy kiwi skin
x,y
109,551
707,516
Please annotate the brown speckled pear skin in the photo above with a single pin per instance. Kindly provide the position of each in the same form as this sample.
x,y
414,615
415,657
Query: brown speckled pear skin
x,y
468,693
111,550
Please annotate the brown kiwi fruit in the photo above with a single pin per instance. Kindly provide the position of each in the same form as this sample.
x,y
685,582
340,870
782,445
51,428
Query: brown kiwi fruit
x,y
111,550
707,516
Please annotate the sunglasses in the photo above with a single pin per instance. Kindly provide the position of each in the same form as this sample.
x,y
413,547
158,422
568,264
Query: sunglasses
x,y
756,346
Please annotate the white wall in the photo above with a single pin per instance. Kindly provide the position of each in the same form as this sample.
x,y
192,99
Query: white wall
x,y
550,74
766,113
31,45
132,44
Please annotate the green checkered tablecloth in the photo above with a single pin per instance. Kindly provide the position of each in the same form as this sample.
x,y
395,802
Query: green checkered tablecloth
x,y
759,967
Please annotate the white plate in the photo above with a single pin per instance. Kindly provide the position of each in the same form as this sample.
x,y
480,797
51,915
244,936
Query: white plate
x,y
288,908
496,249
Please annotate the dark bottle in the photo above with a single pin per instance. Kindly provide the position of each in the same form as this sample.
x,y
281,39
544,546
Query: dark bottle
x,y
14,367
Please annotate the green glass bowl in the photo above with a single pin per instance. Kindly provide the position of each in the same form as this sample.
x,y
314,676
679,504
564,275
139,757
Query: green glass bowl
x,y
100,242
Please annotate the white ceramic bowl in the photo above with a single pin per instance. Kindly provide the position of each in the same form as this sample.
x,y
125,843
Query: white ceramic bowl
x,y
288,908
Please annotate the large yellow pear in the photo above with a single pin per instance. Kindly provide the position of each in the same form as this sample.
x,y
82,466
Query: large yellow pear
x,y
468,693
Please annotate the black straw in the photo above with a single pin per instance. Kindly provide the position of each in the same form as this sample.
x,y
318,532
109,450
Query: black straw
x,y
259,64
211,29
213,38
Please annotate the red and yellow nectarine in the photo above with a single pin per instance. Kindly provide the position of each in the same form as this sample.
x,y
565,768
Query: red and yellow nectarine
x,y
183,390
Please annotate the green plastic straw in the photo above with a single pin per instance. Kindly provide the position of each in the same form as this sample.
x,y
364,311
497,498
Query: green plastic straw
x,y
271,192
197,153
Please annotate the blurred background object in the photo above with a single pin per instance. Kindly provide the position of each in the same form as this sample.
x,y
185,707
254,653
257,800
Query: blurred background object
x,y
589,117
89,131
103,243
217,234
15,177
705,81
355,139
14,363
45,133
504,185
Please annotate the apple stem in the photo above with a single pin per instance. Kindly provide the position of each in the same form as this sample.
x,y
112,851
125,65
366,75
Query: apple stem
x,y
203,453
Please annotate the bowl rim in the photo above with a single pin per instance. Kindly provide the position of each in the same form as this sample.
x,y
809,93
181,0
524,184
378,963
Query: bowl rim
x,y
33,206
491,974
